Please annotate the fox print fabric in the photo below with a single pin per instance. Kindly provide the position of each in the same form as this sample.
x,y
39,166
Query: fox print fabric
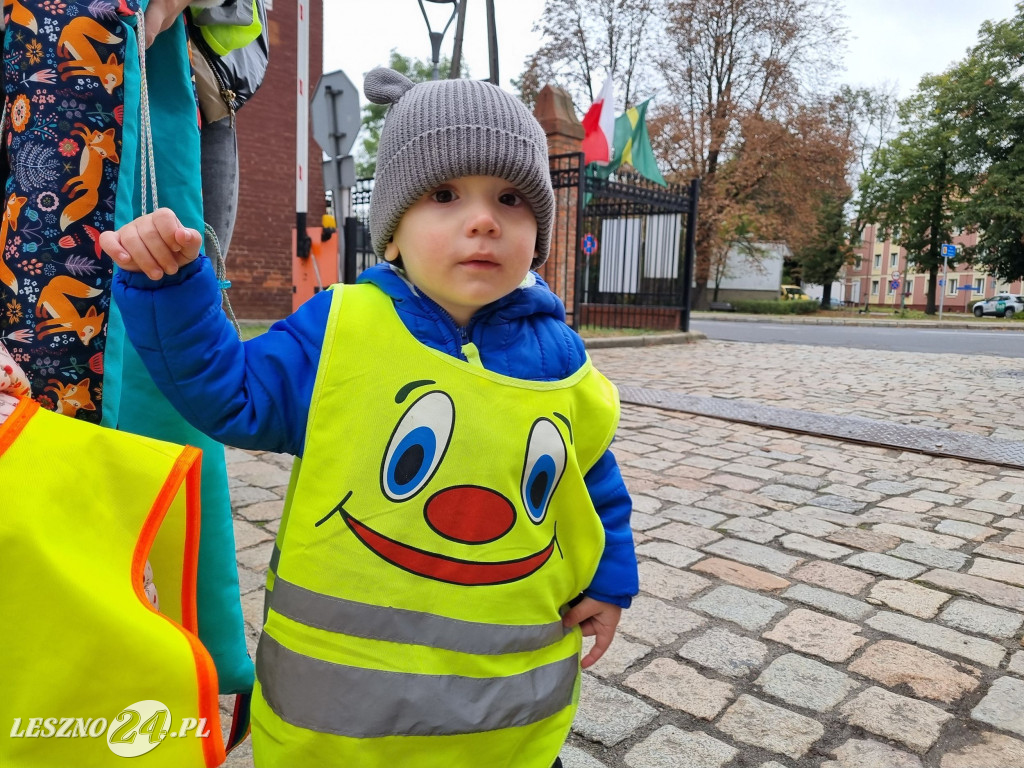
x,y
64,88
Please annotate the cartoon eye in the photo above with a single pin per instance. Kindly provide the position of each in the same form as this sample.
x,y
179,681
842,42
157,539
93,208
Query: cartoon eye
x,y
417,445
545,463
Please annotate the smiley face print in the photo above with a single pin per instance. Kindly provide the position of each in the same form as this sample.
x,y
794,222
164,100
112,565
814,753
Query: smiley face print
x,y
459,513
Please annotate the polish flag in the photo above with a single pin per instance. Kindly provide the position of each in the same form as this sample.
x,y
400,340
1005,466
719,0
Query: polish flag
x,y
599,127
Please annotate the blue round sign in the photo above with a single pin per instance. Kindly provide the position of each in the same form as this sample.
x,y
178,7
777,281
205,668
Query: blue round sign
x,y
589,244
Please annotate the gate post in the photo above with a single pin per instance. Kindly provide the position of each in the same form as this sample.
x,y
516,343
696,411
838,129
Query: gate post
x,y
557,116
348,271
689,255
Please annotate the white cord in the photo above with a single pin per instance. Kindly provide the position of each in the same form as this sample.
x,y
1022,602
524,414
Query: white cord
x,y
145,123
220,268
149,175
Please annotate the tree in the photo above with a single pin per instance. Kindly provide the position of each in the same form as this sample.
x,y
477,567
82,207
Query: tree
x,y
916,183
870,118
585,40
417,70
984,96
829,250
734,71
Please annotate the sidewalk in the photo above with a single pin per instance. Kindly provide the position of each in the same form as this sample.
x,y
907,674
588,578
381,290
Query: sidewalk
x,y
805,601
872,318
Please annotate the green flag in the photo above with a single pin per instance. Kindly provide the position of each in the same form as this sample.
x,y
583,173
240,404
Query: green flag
x,y
633,144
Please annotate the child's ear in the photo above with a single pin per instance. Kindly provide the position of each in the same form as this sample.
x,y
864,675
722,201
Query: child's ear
x,y
391,251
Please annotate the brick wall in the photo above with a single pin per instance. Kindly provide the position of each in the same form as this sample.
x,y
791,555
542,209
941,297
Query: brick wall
x,y
260,260
556,114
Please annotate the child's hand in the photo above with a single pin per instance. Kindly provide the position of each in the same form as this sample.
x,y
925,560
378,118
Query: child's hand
x,y
157,244
597,619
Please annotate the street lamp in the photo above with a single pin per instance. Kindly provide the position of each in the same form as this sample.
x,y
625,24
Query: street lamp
x,y
437,37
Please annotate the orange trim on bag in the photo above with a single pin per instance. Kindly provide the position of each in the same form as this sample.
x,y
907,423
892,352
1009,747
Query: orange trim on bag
x,y
11,427
187,469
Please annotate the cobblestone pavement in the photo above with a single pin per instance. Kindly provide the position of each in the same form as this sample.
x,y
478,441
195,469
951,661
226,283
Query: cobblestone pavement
x,y
805,602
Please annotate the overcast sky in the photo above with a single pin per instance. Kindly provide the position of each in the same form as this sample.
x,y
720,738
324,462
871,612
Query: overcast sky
x,y
895,41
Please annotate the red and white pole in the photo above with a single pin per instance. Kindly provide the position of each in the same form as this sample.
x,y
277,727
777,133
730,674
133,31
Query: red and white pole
x,y
302,240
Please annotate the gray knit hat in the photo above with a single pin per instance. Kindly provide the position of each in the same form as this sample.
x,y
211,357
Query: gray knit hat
x,y
440,130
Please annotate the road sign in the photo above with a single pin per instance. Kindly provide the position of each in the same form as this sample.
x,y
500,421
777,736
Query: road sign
x,y
947,250
966,288
941,283
340,172
895,275
335,114
894,284
589,244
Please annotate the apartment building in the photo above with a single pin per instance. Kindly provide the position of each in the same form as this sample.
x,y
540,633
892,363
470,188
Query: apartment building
x,y
880,276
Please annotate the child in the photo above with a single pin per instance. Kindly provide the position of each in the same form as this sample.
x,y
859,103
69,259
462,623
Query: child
x,y
455,512
13,384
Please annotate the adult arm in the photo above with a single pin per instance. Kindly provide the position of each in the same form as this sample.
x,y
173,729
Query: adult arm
x,y
160,14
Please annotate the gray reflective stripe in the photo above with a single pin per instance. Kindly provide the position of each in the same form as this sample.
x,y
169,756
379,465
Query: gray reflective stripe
x,y
275,558
399,625
367,703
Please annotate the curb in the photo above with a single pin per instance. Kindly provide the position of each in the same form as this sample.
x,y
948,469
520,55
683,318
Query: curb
x,y
880,323
604,342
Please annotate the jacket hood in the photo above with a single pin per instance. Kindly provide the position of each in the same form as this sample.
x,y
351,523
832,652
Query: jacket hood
x,y
522,334
532,297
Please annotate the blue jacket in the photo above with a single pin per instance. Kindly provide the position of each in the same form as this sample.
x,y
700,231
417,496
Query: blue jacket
x,y
256,394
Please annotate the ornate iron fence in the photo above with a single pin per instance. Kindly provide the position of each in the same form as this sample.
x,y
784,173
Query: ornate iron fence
x,y
629,245
622,248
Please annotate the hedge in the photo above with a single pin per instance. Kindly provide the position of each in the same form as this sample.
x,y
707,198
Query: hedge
x,y
791,307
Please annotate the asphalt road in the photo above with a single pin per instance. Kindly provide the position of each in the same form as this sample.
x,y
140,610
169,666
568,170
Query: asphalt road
x,y
905,339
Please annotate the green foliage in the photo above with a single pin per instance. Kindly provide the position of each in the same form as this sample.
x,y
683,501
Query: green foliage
x,y
916,184
958,163
417,70
984,95
829,249
776,307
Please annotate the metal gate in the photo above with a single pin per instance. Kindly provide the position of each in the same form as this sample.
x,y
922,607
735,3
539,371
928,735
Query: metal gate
x,y
622,248
358,250
629,245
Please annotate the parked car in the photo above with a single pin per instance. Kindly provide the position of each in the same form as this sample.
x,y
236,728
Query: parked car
x,y
792,293
1000,305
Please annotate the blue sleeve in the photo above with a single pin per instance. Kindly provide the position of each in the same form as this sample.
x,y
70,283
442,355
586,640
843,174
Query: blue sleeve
x,y
616,579
252,395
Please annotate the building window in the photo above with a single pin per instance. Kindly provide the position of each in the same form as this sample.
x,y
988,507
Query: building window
x,y
951,285
874,287
878,261
894,259
908,289
858,262
979,286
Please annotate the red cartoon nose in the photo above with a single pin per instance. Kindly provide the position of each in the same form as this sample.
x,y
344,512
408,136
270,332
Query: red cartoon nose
x,y
470,514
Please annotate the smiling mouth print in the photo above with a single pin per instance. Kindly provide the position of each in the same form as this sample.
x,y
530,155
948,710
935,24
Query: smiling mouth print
x,y
468,573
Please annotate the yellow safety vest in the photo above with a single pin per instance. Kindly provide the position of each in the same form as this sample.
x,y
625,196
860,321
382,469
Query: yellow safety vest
x,y
91,673
225,38
436,529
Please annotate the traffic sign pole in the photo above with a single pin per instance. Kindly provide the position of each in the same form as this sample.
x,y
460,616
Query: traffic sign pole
x,y
903,291
947,251
336,118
